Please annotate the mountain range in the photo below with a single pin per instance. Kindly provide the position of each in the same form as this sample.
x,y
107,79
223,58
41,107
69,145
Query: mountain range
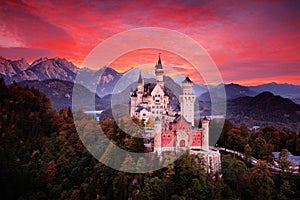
x,y
285,90
56,77
232,91
41,69
264,109
103,81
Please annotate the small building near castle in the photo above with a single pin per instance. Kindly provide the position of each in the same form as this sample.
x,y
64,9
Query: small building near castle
x,y
173,131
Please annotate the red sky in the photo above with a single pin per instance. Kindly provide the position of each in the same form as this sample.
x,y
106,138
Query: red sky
x,y
251,42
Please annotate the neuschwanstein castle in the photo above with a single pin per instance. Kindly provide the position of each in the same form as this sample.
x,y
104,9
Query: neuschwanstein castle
x,y
172,130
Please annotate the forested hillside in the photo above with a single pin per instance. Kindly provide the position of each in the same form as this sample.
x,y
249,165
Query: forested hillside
x,y
42,157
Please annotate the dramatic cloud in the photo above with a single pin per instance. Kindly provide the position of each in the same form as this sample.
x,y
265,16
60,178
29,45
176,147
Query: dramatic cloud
x,y
250,41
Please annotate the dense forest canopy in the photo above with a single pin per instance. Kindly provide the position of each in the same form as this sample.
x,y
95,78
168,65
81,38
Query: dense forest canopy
x,y
42,157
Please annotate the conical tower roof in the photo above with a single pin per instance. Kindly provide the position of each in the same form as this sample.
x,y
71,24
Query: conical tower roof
x,y
140,78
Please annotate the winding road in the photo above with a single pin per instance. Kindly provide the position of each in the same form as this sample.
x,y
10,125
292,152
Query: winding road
x,y
273,167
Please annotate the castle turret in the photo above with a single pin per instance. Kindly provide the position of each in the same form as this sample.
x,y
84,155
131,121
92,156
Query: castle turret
x,y
140,91
133,102
159,72
205,134
187,100
140,83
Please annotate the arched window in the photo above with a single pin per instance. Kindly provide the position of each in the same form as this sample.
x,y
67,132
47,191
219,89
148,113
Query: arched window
x,y
182,143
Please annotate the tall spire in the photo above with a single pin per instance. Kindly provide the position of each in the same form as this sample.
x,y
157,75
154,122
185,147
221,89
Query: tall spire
x,y
158,64
140,78
159,72
159,60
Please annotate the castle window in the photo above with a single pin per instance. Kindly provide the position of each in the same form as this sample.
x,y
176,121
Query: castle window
x,y
169,135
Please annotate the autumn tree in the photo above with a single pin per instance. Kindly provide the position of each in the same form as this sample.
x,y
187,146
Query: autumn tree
x,y
262,181
284,162
262,150
233,172
150,122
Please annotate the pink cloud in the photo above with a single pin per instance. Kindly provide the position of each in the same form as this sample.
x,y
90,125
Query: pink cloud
x,y
265,34
31,54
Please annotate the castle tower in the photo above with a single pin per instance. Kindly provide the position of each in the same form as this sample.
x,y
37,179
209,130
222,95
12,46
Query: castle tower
x,y
205,134
132,103
140,91
157,136
140,83
187,100
159,72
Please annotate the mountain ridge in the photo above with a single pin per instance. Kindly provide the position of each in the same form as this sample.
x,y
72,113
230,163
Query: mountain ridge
x,y
264,109
59,68
232,91
60,93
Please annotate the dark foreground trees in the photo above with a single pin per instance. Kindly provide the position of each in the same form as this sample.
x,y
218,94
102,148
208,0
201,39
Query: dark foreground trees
x,y
42,157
